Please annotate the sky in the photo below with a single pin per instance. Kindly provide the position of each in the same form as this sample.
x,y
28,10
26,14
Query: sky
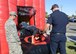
x,y
67,6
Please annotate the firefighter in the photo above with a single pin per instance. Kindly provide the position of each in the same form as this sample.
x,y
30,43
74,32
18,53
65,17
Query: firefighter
x,y
58,20
32,29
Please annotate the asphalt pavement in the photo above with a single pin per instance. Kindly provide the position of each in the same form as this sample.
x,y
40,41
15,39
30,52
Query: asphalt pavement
x,y
71,32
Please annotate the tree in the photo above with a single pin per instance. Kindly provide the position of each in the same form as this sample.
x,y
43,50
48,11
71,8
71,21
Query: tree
x,y
46,15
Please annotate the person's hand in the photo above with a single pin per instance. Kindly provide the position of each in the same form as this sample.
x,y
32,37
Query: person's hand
x,y
45,35
19,43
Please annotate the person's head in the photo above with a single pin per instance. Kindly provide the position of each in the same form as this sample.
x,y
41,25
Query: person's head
x,y
13,14
23,25
55,7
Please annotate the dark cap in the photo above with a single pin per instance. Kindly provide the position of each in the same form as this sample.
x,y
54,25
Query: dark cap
x,y
54,6
24,24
